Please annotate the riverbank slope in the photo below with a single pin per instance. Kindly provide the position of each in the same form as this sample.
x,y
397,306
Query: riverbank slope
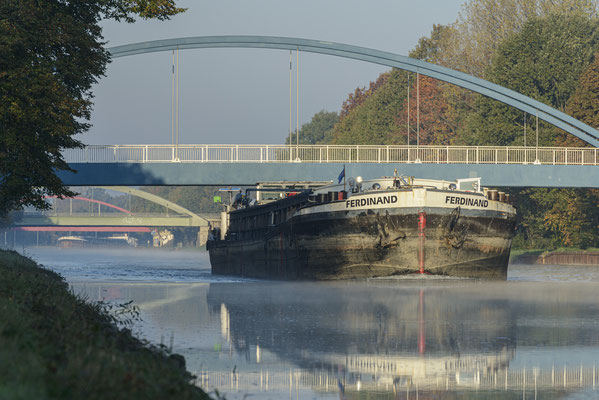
x,y
55,345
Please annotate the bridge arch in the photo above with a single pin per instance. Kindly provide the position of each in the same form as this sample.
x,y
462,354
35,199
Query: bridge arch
x,y
93,201
486,88
158,200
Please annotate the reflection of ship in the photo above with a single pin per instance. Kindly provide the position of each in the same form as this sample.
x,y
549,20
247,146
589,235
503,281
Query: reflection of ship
x,y
92,241
385,336
380,227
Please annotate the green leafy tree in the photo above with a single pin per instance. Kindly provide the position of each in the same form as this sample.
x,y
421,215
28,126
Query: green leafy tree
x,y
483,25
318,130
432,49
583,104
51,53
375,120
360,95
554,218
543,61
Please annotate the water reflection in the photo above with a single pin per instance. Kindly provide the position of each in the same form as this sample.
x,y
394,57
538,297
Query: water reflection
x,y
396,339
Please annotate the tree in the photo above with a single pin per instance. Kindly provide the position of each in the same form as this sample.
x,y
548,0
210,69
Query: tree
x,y
374,120
318,130
553,218
543,61
436,126
51,53
483,25
360,95
583,104
432,49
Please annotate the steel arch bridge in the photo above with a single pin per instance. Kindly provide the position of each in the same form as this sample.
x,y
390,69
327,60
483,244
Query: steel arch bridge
x,y
486,88
186,218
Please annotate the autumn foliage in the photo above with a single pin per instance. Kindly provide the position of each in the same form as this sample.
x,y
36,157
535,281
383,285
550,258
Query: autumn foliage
x,y
429,112
359,95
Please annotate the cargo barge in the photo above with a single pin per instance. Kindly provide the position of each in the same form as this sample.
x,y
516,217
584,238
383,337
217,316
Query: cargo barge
x,y
377,228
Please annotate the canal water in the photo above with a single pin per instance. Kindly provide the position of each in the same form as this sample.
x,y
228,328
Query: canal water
x,y
534,336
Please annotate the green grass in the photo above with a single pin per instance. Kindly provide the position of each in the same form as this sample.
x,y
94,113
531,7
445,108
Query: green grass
x,y
56,345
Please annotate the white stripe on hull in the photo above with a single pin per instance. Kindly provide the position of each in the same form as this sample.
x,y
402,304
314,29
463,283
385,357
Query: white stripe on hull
x,y
415,198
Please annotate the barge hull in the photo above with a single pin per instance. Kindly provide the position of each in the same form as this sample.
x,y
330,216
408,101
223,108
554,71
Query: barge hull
x,y
374,243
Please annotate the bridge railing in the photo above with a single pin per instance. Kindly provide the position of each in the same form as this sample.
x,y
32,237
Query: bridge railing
x,y
333,154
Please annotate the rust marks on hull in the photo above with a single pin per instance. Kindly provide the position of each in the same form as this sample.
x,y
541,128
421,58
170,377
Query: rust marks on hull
x,y
455,235
387,232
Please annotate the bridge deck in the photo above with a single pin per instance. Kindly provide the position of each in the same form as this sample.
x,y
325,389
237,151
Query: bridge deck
x,y
155,165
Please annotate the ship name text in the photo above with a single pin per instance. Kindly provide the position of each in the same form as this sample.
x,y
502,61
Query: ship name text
x,y
465,201
371,201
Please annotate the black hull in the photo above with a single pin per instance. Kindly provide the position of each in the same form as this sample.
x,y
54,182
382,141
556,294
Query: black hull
x,y
358,244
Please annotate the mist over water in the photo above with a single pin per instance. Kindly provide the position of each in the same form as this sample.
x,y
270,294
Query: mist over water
x,y
534,336
127,264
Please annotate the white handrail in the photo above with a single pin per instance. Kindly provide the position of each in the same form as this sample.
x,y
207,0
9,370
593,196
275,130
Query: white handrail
x,y
236,153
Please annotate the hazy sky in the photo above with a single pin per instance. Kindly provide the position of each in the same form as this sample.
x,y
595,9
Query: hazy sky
x,y
242,95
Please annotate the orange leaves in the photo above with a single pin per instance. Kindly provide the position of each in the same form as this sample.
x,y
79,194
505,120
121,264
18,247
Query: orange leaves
x,y
433,110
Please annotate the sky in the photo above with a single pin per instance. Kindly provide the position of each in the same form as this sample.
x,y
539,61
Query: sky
x,y
241,96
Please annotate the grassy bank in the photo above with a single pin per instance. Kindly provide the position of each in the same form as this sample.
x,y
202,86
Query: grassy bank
x,y
55,345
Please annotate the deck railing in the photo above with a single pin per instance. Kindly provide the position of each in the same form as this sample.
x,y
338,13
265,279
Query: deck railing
x,y
332,154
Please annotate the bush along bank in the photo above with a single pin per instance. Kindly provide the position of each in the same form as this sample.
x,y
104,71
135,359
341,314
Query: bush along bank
x,y
55,345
